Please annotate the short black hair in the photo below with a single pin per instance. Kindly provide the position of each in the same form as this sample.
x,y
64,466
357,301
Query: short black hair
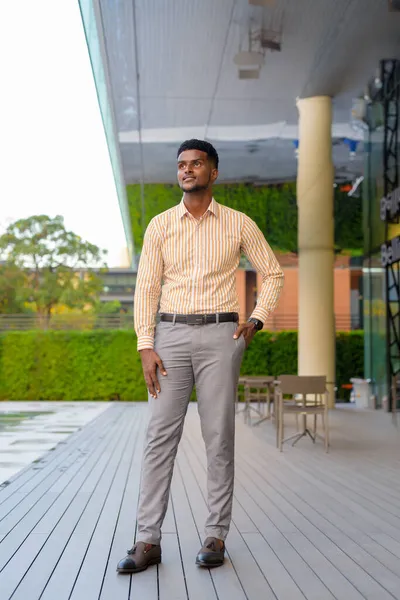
x,y
203,147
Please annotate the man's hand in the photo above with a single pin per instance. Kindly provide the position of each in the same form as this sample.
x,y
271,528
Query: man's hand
x,y
150,362
247,330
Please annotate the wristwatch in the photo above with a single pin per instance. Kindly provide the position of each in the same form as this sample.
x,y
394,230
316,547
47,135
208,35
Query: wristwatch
x,y
258,325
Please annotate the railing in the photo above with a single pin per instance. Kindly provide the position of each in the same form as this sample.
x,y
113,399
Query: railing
x,y
65,322
125,321
287,322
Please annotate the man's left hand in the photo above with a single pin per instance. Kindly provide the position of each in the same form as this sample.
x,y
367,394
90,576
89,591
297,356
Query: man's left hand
x,y
247,330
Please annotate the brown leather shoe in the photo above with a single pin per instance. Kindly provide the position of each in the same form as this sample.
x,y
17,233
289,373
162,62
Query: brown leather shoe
x,y
139,558
211,554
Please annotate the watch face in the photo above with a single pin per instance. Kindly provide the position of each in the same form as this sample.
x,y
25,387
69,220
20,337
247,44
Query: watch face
x,y
257,324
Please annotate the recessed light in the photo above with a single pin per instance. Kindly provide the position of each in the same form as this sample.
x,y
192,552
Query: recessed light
x,y
248,59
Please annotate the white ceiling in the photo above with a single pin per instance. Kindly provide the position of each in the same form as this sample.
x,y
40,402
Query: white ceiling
x,y
182,56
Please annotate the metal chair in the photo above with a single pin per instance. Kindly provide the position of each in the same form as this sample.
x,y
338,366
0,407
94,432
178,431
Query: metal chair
x,y
306,387
257,389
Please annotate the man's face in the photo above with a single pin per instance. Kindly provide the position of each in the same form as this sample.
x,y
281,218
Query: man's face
x,y
195,171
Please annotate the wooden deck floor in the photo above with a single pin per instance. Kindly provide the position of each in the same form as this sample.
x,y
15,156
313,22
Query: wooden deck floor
x,y
305,524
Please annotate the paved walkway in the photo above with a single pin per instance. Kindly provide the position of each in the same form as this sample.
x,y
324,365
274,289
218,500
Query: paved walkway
x,y
305,524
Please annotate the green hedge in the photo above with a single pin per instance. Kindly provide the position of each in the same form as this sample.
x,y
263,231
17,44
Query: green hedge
x,y
273,208
104,365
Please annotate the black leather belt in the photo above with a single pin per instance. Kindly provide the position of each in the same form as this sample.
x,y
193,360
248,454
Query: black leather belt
x,y
200,319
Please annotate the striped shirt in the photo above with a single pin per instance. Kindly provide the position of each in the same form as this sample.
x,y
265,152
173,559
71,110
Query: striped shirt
x,y
191,264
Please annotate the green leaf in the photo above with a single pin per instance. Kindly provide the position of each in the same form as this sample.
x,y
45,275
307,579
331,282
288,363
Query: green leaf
x,y
104,365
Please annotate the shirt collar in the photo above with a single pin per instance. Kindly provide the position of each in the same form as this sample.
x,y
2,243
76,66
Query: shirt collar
x,y
213,209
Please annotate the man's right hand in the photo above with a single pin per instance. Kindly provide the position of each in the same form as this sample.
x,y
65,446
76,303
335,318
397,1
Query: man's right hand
x,y
150,362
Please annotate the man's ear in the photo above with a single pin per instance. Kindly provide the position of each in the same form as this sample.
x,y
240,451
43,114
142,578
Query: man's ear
x,y
214,175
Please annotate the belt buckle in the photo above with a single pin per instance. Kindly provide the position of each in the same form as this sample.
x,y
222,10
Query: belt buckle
x,y
196,320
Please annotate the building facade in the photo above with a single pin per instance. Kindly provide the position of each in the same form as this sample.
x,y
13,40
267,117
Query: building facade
x,y
381,210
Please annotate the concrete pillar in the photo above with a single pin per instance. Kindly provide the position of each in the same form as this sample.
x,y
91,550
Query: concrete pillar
x,y
316,351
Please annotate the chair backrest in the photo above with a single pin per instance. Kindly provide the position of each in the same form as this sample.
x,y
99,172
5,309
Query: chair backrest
x,y
299,384
259,380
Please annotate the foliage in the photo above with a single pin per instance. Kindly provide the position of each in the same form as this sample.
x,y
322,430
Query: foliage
x,y
349,358
45,260
349,236
104,365
273,208
73,365
112,307
12,293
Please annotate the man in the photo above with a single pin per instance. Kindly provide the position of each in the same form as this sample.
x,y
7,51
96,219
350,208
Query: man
x,y
189,258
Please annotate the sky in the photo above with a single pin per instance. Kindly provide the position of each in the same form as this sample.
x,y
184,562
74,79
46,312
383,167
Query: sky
x,y
53,152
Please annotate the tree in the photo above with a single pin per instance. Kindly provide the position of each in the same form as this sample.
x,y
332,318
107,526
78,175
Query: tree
x,y
112,307
50,264
12,295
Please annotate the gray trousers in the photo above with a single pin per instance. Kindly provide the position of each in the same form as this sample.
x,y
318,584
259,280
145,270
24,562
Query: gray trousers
x,y
206,356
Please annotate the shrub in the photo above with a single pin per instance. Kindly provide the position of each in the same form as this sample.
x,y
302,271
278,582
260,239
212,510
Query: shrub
x,y
104,365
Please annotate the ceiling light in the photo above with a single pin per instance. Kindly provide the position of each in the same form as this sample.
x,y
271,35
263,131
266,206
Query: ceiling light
x,y
249,73
248,59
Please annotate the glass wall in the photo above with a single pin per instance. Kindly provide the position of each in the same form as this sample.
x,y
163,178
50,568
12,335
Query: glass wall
x,y
376,233
92,24
375,359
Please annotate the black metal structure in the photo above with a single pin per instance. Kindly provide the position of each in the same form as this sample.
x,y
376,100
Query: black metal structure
x,y
390,95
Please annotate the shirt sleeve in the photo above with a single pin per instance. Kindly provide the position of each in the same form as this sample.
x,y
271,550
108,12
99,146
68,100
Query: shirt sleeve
x,y
148,287
257,250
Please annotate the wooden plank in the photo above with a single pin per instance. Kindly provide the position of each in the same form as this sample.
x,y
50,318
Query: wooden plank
x,y
274,528
297,565
280,580
171,575
354,564
304,524
169,522
340,531
90,579
302,576
143,586
38,520
321,552
388,512
32,475
365,517
82,543
33,498
62,522
359,480
19,565
44,477
225,580
389,543
241,519
198,581
251,577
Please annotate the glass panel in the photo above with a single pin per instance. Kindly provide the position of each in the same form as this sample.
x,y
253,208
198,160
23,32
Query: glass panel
x,y
96,58
374,276
375,326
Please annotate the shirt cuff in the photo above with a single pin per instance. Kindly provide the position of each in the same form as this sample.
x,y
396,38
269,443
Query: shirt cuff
x,y
145,342
261,314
